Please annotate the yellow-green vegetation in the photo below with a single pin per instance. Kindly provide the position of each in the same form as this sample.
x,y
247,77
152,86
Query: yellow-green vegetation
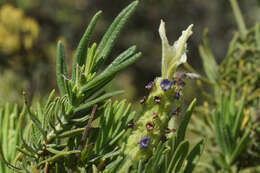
x,y
236,77
16,30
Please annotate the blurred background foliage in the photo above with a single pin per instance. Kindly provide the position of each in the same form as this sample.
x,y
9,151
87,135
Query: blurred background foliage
x,y
29,30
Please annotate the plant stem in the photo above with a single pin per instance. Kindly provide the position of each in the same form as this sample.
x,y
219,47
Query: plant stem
x,y
84,137
239,18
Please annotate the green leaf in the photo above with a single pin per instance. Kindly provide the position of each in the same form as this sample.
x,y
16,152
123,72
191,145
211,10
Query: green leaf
x,y
140,167
106,156
40,113
21,132
103,132
2,158
116,138
239,18
232,46
62,154
67,86
240,146
61,69
238,119
125,59
97,100
217,122
156,158
154,163
180,163
114,164
25,152
20,125
91,60
229,142
5,128
110,37
194,156
209,63
122,122
184,123
232,104
82,49
71,133
36,121
257,35
223,134
50,99
222,161
224,108
16,129
179,156
97,88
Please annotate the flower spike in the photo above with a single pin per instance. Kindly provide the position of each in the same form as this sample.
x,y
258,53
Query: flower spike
x,y
165,94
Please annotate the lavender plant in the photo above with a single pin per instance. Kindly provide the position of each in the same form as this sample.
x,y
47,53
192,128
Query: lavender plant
x,y
83,131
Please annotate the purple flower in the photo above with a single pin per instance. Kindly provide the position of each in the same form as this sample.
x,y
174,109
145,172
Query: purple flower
x,y
166,84
144,142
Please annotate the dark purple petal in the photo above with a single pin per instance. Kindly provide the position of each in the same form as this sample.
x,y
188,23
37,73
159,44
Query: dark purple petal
x,y
144,142
166,84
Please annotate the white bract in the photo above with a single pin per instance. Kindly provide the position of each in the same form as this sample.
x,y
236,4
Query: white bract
x,y
173,55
